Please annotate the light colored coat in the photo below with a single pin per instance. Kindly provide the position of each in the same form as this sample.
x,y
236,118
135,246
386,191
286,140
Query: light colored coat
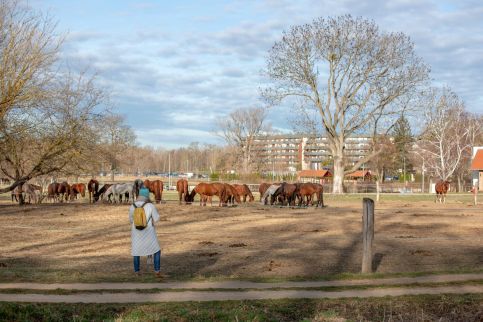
x,y
144,242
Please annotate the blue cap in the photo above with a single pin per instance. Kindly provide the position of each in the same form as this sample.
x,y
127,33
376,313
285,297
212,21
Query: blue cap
x,y
144,192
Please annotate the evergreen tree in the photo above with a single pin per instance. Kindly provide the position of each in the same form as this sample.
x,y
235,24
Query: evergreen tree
x,y
403,139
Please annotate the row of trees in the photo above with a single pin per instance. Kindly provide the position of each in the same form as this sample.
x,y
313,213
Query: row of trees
x,y
344,76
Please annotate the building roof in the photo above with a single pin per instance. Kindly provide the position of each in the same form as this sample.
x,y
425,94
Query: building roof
x,y
314,174
359,174
477,163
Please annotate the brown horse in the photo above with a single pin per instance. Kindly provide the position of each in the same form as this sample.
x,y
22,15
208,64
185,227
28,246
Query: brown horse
x,y
156,187
441,188
262,188
92,187
182,188
77,188
207,191
244,191
286,192
63,190
231,194
308,190
52,193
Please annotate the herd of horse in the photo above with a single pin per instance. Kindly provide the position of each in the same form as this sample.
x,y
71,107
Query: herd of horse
x,y
63,191
274,193
270,193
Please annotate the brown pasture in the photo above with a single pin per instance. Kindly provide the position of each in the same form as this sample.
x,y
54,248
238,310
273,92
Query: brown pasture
x,y
83,242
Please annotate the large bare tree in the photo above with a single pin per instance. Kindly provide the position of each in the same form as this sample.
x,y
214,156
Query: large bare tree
x,y
240,128
46,113
449,134
357,78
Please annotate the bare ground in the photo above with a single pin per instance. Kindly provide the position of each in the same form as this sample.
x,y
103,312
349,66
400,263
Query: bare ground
x,y
81,242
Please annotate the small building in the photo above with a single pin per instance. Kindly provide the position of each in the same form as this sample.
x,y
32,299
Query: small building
x,y
312,175
477,168
359,175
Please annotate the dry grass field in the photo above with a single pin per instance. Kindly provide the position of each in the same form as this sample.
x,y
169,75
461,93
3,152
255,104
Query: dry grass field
x,y
82,242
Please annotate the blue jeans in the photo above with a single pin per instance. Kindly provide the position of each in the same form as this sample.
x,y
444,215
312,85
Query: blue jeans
x,y
157,262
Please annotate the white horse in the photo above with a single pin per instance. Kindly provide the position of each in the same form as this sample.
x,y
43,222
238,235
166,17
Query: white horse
x,y
270,191
32,191
120,189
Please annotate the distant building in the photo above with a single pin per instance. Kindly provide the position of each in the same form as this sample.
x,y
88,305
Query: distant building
x,y
311,175
477,167
289,153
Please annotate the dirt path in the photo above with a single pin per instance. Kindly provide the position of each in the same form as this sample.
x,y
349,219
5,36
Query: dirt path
x,y
223,296
245,290
246,285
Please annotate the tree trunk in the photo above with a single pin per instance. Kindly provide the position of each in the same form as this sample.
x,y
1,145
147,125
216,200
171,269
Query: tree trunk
x,y
112,172
21,200
337,187
458,178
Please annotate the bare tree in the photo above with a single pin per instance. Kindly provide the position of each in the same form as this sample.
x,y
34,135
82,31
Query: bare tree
x,y
240,128
356,77
116,138
46,114
53,135
449,134
28,49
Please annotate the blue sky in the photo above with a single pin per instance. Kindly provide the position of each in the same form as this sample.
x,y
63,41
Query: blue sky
x,y
174,67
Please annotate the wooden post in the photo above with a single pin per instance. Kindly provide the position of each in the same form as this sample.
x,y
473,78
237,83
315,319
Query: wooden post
x,y
367,234
475,194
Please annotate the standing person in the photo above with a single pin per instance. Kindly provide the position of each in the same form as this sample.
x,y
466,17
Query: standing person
x,y
144,240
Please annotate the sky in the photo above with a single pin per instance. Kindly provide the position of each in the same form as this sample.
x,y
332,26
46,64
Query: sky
x,y
175,67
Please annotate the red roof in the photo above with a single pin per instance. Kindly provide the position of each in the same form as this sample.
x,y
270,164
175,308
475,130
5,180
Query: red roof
x,y
359,174
314,174
477,163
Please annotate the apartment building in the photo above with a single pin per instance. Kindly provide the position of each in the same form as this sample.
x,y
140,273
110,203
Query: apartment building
x,y
287,153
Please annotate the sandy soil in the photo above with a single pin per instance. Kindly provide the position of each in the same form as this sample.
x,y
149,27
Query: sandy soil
x,y
77,241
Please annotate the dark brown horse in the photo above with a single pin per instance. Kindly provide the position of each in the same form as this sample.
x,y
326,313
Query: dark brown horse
x,y
182,188
156,187
231,194
244,191
308,190
92,187
52,193
441,188
285,193
262,188
77,188
63,190
100,193
207,191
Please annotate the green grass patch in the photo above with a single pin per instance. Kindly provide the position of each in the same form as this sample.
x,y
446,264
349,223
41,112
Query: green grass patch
x,y
19,274
405,308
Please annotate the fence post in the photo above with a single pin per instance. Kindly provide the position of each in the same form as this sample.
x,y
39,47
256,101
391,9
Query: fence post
x,y
475,194
367,234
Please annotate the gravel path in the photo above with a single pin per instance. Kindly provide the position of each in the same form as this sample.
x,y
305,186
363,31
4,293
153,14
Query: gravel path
x,y
244,290
240,295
